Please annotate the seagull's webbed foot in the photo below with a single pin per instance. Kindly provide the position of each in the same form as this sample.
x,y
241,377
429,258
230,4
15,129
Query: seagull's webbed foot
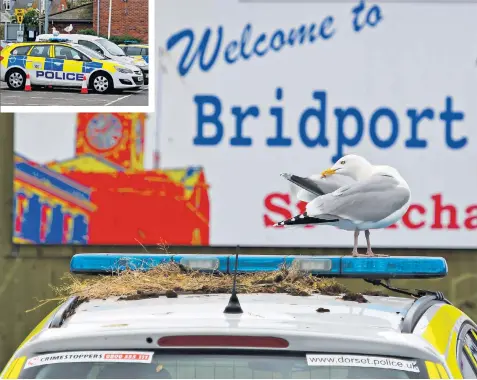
x,y
370,253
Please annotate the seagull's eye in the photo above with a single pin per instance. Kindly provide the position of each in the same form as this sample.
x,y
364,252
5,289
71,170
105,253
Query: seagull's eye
x,y
342,162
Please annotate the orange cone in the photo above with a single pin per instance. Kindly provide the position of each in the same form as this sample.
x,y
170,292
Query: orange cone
x,y
84,86
28,84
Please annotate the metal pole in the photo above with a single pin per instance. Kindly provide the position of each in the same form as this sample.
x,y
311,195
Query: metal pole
x,y
109,23
98,19
47,10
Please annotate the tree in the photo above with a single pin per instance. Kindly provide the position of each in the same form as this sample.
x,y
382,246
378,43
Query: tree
x,y
32,19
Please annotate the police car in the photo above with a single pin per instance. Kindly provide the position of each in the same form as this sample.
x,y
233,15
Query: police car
x,y
64,64
104,47
138,52
264,334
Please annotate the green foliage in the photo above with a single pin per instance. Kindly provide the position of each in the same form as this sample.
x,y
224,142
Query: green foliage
x,y
89,32
32,18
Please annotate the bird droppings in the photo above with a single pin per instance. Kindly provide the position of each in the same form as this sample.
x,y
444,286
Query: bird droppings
x,y
358,297
322,310
172,280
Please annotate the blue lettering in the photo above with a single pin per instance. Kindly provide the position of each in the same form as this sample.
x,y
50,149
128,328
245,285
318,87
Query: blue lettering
x,y
374,16
302,33
202,101
260,40
414,141
229,50
311,125
70,76
185,66
324,32
240,116
40,74
49,75
320,139
357,11
205,53
342,138
245,39
448,117
278,140
79,77
278,40
394,128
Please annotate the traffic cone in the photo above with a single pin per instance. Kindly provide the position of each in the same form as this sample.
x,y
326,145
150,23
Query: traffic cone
x,y
28,84
84,86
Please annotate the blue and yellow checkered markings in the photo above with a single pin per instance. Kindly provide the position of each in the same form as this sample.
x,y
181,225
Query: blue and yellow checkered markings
x,y
54,64
14,60
89,67
146,58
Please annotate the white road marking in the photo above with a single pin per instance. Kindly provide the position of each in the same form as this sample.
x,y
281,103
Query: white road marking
x,y
117,100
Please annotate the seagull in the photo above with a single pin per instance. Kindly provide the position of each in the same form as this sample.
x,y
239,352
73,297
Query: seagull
x,y
69,28
352,195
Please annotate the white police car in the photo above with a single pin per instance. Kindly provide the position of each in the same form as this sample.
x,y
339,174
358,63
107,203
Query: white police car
x,y
257,335
63,64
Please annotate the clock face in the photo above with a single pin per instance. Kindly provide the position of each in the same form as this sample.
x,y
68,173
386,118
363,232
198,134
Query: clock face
x,y
104,132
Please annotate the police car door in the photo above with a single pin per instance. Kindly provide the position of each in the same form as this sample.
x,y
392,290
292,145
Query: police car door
x,y
35,64
71,61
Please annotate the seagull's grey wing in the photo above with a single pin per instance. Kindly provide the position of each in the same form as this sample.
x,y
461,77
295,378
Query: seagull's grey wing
x,y
308,188
365,201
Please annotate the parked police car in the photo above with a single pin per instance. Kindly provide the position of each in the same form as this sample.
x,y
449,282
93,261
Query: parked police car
x,y
255,335
103,46
138,52
63,64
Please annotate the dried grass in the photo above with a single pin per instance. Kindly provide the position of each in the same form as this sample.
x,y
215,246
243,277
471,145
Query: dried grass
x,y
172,279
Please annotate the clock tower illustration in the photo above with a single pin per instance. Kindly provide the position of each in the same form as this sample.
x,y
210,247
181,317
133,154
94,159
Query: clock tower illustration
x,y
118,200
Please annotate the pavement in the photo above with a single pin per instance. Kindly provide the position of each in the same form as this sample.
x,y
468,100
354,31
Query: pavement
x,y
71,97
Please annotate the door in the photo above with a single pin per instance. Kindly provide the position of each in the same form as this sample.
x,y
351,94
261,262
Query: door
x,y
467,352
71,61
36,65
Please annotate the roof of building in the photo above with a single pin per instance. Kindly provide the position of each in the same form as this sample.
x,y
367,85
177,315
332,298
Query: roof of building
x,y
80,14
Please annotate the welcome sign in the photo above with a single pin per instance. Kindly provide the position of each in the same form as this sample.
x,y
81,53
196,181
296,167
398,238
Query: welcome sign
x,y
253,89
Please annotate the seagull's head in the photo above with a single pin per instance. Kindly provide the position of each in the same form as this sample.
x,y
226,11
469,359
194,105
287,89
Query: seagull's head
x,y
352,165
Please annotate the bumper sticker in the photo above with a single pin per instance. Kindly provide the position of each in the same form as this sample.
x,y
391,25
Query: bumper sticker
x,y
90,356
362,361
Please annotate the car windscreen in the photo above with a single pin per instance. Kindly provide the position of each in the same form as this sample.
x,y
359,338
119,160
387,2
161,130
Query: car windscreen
x,y
111,47
223,364
90,52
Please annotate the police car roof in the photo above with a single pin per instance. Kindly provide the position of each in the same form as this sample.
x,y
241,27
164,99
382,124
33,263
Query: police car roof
x,y
340,326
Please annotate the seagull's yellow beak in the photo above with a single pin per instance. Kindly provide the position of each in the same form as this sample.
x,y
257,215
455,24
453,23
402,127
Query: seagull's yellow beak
x,y
328,172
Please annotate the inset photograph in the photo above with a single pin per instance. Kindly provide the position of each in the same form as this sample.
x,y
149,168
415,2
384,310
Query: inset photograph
x,y
84,53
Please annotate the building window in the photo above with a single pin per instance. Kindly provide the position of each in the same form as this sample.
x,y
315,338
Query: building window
x,y
6,5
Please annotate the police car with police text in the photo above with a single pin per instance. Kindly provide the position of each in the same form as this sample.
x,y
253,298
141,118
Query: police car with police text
x,y
64,64
246,335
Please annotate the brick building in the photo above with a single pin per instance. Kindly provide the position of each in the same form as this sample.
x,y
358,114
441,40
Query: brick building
x,y
129,17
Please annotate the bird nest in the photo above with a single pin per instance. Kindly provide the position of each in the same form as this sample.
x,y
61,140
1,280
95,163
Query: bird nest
x,y
172,279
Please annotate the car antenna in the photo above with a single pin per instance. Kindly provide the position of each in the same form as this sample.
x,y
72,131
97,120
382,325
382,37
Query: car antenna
x,y
234,304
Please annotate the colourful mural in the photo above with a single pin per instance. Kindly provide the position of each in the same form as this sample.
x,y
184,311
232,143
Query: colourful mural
x,y
104,195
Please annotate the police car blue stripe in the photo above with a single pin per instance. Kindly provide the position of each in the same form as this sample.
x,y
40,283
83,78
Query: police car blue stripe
x,y
88,67
17,61
54,64
146,58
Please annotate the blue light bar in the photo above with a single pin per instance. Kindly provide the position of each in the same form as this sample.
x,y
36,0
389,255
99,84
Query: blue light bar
x,y
219,263
325,266
114,262
58,39
393,267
